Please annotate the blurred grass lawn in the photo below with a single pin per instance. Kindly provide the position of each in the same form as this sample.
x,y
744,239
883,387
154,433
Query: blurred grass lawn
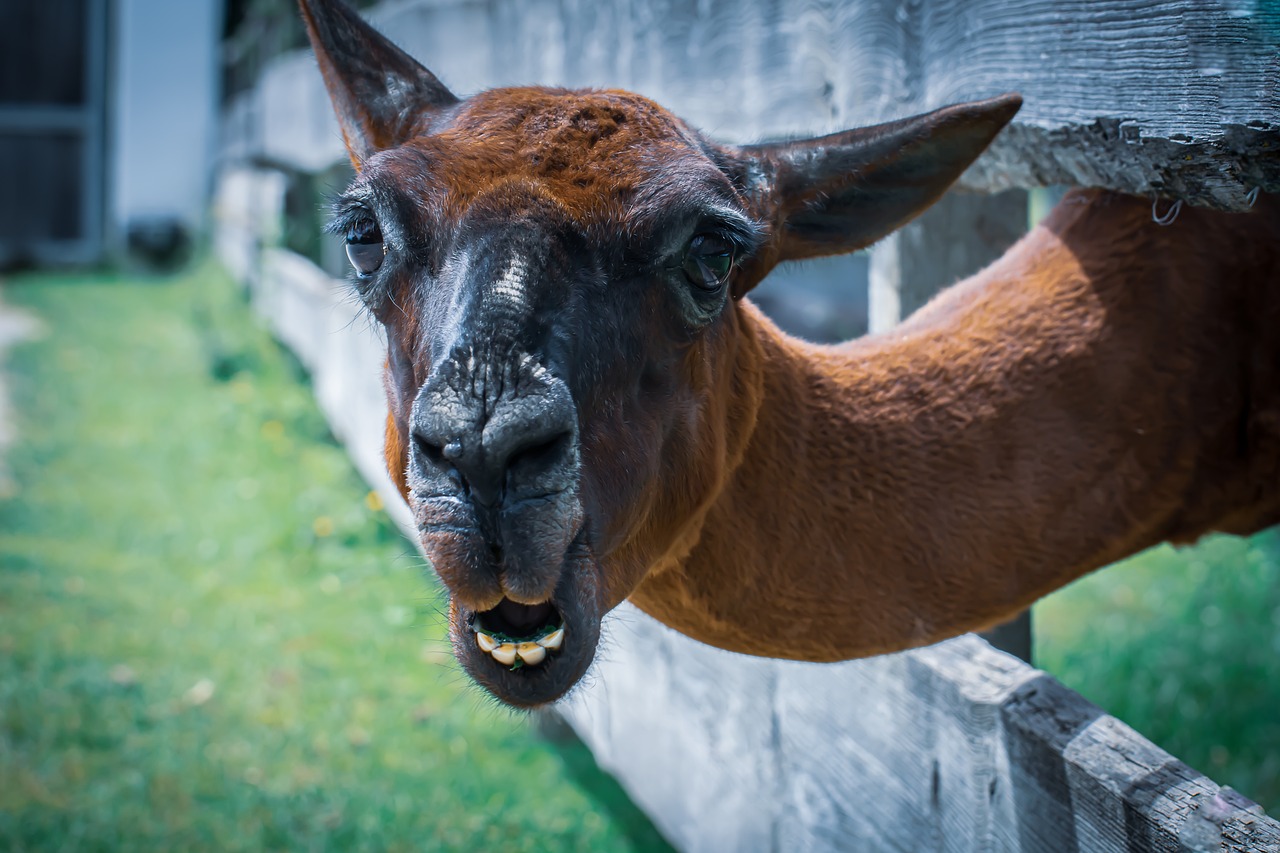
x,y
1183,645
209,640
210,636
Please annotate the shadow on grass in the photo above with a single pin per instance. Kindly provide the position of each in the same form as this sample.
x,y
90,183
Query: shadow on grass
x,y
601,787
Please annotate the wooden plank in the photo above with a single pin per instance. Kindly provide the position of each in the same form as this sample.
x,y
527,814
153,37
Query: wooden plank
x,y
1173,97
894,753
956,746
960,747
690,732
1122,792
1179,97
952,747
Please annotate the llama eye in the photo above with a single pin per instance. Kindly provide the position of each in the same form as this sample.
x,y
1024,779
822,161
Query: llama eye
x,y
708,262
365,248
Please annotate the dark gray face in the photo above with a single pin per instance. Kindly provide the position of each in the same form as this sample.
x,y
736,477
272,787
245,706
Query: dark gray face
x,y
533,368
494,463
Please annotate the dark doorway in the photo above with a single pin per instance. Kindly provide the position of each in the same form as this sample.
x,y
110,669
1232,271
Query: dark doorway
x,y
52,98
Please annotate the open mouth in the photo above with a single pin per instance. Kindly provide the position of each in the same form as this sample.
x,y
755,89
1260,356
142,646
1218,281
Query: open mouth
x,y
528,655
519,635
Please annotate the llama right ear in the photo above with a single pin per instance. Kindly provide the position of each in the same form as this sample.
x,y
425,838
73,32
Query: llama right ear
x,y
843,192
380,93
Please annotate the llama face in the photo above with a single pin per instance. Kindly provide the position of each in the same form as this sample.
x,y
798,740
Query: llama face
x,y
570,380
553,270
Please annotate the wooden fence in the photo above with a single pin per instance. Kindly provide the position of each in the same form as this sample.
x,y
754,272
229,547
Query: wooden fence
x,y
953,747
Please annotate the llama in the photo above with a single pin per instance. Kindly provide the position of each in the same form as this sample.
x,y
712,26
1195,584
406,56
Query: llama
x,y
585,407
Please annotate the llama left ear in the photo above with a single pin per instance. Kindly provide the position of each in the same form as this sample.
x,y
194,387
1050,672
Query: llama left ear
x,y
842,192
380,93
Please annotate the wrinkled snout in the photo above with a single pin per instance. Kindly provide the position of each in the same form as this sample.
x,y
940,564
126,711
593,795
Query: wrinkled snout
x,y
493,471
516,447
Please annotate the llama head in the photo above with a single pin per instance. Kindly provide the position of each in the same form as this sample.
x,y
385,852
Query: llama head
x,y
570,377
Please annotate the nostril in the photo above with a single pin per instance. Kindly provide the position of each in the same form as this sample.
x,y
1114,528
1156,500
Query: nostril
x,y
436,459
540,454
431,451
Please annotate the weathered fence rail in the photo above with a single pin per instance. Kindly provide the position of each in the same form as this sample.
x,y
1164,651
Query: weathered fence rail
x,y
1178,97
953,747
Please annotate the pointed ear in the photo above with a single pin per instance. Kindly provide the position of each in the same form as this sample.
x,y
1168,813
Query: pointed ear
x,y
843,192
379,92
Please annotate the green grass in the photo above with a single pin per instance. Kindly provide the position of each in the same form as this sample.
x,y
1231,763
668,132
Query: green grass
x,y
1183,645
210,636
209,640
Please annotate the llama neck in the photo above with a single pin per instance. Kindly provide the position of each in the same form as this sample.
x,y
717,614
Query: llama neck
x,y
1033,423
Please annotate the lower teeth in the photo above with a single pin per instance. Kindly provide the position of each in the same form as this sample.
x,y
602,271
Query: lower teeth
x,y
528,652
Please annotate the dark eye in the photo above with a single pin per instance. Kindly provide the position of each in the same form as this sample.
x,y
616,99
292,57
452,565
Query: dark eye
x,y
708,261
365,248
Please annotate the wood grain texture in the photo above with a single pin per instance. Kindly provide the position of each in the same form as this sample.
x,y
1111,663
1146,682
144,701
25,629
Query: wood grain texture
x,y
955,747
1179,98
952,747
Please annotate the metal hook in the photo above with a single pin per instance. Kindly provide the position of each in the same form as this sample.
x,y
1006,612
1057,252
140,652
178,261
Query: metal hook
x,y
1169,215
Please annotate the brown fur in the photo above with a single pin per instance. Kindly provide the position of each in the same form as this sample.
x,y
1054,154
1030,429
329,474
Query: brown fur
x,y
1106,385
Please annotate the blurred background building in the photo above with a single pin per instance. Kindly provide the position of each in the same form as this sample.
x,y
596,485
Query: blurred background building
x,y
111,132
108,116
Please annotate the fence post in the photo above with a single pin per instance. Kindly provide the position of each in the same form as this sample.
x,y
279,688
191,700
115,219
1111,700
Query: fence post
x,y
955,238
